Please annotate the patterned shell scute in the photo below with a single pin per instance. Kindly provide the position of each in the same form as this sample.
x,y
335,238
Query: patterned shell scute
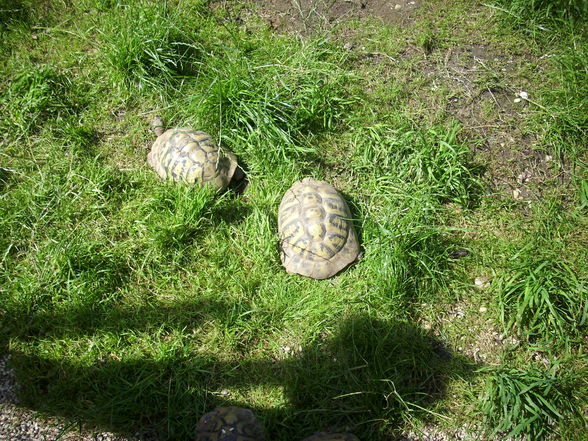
x,y
192,157
322,436
230,424
317,237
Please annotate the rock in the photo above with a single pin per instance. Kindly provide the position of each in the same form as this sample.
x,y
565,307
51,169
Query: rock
x,y
524,95
516,193
458,254
483,309
482,282
398,6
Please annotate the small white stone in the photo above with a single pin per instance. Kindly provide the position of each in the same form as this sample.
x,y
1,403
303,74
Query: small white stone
x,y
483,309
548,158
524,95
516,193
482,282
397,7
517,100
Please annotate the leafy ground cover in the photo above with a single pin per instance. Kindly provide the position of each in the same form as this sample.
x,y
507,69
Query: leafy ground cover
x,y
456,131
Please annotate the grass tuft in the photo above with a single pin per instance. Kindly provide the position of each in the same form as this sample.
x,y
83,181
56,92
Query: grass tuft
x,y
145,46
546,299
175,214
31,97
434,160
533,15
274,101
532,404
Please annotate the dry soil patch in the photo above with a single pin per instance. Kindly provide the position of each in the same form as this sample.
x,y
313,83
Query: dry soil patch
x,y
308,15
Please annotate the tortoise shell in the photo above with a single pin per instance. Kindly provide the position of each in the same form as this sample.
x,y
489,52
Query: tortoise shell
x,y
323,436
317,237
193,157
230,424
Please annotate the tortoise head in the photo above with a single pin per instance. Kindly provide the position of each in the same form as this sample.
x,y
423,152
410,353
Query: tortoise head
x,y
157,125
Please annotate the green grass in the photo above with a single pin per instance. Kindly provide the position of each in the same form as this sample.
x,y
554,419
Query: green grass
x,y
537,402
540,13
544,298
146,46
134,304
32,96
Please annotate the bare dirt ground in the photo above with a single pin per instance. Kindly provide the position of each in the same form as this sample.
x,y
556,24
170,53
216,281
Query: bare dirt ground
x,y
486,100
303,15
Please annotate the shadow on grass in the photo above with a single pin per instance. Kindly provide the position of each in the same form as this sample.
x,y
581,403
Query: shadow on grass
x,y
13,11
368,377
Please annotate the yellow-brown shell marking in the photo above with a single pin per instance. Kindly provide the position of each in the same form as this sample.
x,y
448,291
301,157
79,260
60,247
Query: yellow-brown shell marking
x,y
229,424
192,157
322,436
317,237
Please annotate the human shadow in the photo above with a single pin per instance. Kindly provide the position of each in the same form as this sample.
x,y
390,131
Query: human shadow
x,y
366,376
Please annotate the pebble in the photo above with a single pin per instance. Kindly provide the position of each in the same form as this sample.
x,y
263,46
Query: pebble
x,y
516,193
524,95
517,100
483,309
482,282
457,312
398,6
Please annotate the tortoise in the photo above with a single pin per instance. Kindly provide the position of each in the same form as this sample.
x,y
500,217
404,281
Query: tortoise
x,y
191,156
323,436
230,424
317,237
